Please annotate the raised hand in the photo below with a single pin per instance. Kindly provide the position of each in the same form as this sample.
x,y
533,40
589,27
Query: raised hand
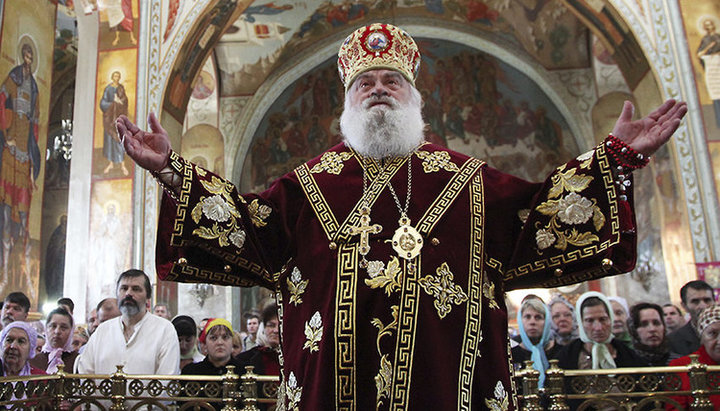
x,y
649,133
149,150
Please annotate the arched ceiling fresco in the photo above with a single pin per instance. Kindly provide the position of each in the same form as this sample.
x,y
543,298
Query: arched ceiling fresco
x,y
269,33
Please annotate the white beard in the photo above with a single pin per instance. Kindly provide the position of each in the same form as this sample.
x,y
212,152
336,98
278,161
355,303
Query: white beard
x,y
383,131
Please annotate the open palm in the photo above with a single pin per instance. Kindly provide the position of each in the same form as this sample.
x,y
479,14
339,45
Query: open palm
x,y
150,150
652,131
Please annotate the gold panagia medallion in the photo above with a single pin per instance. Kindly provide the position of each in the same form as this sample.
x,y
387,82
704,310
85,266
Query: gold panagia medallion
x,y
407,241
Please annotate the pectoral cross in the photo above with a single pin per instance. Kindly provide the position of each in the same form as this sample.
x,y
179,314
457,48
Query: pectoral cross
x,y
365,229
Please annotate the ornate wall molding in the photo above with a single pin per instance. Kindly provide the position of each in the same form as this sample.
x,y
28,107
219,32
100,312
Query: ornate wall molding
x,y
669,55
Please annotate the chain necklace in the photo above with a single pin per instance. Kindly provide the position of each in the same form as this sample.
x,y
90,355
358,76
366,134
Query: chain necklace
x,y
407,241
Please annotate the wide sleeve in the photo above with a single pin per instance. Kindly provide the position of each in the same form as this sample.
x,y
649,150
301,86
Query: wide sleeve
x,y
209,233
576,226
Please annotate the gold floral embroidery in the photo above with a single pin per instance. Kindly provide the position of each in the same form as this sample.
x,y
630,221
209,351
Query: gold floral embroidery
x,y
296,286
293,392
331,162
443,289
383,380
258,213
200,171
586,159
572,209
488,291
568,181
313,332
381,276
219,210
501,402
436,160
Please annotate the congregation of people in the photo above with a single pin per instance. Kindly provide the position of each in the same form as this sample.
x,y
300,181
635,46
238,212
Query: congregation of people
x,y
596,332
605,332
125,331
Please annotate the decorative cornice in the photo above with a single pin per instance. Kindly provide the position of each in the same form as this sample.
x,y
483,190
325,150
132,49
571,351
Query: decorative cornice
x,y
668,56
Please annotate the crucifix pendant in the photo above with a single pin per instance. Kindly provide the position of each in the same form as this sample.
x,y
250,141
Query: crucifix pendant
x,y
407,242
365,229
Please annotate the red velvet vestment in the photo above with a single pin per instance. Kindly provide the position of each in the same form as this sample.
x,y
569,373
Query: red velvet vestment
x,y
429,333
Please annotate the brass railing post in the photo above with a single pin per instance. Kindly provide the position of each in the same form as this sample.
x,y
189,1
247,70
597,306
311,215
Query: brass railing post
x,y
697,373
230,391
59,394
530,378
554,387
249,383
118,390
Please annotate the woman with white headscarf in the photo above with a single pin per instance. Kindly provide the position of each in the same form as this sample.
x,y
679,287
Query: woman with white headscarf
x,y
18,346
596,348
537,344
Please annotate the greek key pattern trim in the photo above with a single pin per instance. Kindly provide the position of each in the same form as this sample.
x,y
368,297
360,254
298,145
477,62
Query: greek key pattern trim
x,y
317,201
369,198
405,345
345,374
450,192
472,333
185,170
193,274
589,251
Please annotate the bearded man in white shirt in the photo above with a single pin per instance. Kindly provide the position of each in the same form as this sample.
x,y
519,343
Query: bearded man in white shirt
x,y
143,343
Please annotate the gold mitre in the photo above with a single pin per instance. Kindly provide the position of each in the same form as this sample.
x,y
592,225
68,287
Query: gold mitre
x,y
378,46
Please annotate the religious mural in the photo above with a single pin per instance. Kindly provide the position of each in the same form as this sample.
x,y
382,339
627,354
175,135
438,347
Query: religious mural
x,y
473,103
702,22
273,32
111,236
26,74
118,24
115,96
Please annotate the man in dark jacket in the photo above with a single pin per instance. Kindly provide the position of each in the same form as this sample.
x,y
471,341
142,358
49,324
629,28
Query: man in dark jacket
x,y
696,296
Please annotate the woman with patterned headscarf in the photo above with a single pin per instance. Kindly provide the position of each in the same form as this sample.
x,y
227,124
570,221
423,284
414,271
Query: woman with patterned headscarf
x,y
537,345
708,327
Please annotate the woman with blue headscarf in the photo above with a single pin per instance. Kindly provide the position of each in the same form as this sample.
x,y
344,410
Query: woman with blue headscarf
x,y
535,333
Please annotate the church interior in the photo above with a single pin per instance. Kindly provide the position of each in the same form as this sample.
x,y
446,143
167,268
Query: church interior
x,y
249,90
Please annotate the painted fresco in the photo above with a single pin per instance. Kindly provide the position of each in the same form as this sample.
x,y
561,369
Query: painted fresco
x,y
273,32
26,74
702,26
111,236
118,24
115,88
473,103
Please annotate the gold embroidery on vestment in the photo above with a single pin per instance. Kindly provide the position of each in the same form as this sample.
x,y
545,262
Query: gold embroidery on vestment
x,y
389,277
445,291
434,161
331,162
489,293
296,286
258,213
293,392
313,332
501,402
217,209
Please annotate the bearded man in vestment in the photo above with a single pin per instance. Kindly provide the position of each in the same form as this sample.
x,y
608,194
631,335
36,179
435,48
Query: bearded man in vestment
x,y
386,248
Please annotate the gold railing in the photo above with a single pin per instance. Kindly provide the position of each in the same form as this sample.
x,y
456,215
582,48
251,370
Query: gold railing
x,y
121,391
628,389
